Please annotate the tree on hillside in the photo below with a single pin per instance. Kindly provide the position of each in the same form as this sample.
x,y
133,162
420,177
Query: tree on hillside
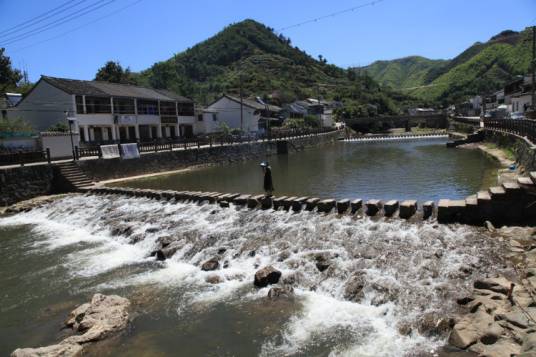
x,y
9,77
114,72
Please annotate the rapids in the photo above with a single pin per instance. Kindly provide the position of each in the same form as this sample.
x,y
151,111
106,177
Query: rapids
x,y
104,243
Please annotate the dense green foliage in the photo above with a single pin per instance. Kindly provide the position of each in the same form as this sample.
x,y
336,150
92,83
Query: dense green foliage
x,y
404,72
482,68
268,66
115,73
9,77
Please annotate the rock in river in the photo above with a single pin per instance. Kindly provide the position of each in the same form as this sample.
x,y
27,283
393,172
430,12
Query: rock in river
x,y
211,264
97,320
266,276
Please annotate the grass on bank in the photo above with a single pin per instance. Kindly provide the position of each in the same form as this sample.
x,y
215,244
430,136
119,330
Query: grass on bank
x,y
507,151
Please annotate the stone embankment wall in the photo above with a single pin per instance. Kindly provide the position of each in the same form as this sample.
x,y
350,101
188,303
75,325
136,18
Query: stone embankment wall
x,y
116,168
523,149
21,183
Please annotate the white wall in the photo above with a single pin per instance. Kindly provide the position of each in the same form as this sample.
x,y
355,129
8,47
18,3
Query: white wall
x,y
43,107
228,112
518,103
59,145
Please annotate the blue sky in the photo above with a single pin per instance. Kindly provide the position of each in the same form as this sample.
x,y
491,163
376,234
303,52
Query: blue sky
x,y
152,30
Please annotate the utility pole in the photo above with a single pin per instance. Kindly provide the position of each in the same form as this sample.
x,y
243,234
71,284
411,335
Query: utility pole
x,y
319,113
533,69
241,106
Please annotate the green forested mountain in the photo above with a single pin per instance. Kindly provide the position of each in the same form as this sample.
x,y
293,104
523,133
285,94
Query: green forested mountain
x,y
404,72
482,68
269,66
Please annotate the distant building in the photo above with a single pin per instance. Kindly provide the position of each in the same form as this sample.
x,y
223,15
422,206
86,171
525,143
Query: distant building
x,y
310,106
518,94
256,117
103,111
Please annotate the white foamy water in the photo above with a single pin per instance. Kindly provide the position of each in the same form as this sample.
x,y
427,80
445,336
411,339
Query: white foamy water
x,y
409,270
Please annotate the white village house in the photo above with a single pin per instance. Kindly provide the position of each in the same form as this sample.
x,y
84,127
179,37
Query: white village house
x,y
255,116
103,111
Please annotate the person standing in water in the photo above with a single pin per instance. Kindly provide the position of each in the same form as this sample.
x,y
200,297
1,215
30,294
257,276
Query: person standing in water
x,y
268,184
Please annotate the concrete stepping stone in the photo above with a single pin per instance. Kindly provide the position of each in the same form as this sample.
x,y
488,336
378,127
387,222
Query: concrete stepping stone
x,y
342,206
241,200
287,202
356,205
511,187
390,207
311,203
497,192
278,202
373,207
297,204
407,209
326,205
428,209
525,181
449,211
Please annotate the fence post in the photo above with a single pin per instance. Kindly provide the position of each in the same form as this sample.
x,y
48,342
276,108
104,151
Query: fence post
x,y
155,146
76,153
100,151
48,154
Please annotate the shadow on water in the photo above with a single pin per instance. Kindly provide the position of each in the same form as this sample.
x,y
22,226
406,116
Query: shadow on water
x,y
422,170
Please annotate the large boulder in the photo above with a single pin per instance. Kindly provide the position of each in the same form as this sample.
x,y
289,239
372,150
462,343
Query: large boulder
x,y
97,320
211,264
266,276
280,292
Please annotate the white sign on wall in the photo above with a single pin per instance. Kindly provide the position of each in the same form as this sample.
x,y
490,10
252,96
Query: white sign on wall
x,y
125,119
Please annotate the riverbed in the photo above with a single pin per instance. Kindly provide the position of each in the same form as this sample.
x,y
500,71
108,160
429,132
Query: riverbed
x,y
55,257
421,170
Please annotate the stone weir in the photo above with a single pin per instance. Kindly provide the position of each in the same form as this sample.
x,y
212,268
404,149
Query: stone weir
x,y
509,204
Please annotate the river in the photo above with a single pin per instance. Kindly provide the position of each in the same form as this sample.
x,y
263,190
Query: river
x,y
55,257
421,170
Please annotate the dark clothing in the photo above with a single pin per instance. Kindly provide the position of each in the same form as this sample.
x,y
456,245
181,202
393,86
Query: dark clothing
x,y
268,184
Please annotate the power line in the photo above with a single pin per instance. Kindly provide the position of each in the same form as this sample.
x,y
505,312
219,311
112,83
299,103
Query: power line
x,y
323,17
37,17
88,9
79,27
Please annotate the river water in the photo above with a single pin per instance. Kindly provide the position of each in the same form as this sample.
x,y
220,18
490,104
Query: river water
x,y
55,257
421,170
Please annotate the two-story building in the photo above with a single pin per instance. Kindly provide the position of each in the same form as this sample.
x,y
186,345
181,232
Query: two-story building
x,y
248,115
103,111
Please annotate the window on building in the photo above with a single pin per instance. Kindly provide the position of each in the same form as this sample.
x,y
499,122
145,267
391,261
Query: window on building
x,y
124,106
96,105
214,117
199,117
168,108
186,109
148,107
79,104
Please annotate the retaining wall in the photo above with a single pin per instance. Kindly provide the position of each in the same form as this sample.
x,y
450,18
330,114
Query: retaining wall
x,y
101,169
524,150
21,183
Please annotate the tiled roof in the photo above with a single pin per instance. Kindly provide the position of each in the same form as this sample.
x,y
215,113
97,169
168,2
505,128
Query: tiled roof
x,y
254,104
107,89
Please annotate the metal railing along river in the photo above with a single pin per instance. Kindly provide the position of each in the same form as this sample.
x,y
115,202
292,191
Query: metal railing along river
x,y
520,127
379,138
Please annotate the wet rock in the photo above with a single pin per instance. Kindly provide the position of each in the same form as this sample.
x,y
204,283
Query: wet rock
x,y
282,256
136,238
472,327
164,241
226,264
213,279
280,292
266,276
222,250
160,256
322,262
152,230
60,350
252,253
384,293
404,328
211,264
489,226
121,230
353,290
498,285
103,317
433,324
